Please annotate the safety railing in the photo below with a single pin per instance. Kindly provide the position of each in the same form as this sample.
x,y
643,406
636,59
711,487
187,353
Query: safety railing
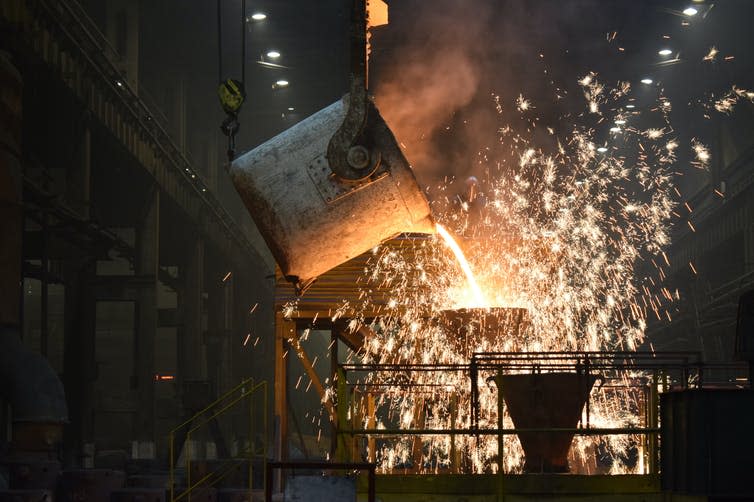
x,y
180,440
462,418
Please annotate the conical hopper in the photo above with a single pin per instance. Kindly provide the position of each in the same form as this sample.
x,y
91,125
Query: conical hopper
x,y
546,400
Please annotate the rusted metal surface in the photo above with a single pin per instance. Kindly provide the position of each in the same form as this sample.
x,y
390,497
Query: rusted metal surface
x,y
309,227
546,400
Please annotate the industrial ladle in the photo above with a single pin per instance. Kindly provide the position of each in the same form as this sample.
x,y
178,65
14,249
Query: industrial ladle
x,y
334,185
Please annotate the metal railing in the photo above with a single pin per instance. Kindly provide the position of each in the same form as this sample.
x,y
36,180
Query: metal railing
x,y
639,376
247,391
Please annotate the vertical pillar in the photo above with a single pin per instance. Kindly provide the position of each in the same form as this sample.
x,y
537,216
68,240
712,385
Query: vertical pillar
x,y
749,237
284,329
500,438
45,290
11,215
11,186
226,366
147,263
79,366
215,329
191,365
334,361
78,191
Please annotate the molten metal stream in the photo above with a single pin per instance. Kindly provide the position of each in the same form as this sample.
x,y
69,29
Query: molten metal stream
x,y
479,299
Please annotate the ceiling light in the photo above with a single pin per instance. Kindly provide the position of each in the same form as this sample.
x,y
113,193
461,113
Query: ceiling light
x,y
602,149
615,129
282,83
665,52
630,107
290,108
690,11
259,16
273,54
620,121
646,81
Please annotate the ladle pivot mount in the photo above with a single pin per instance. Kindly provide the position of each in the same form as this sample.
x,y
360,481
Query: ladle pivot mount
x,y
349,153
334,185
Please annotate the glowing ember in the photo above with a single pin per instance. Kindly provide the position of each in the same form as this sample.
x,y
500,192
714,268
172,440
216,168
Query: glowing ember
x,y
477,296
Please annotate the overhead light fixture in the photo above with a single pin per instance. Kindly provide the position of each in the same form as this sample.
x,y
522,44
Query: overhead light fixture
x,y
665,52
602,149
690,11
620,122
290,109
630,107
273,54
615,129
259,16
282,83
646,81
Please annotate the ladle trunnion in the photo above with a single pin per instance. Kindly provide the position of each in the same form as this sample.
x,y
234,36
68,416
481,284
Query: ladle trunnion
x,y
314,219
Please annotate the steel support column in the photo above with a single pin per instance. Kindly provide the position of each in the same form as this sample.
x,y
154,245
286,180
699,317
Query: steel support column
x,y
749,238
191,362
79,366
284,329
147,264
11,228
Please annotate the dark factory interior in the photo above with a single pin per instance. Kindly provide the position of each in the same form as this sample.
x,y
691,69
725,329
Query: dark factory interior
x,y
376,250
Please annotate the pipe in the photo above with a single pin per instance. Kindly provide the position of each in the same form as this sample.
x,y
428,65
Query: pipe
x,y
29,383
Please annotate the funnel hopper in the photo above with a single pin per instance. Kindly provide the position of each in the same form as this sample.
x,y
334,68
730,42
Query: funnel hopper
x,y
546,400
313,219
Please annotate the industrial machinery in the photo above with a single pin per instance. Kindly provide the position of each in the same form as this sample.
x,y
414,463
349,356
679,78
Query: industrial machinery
x,y
334,185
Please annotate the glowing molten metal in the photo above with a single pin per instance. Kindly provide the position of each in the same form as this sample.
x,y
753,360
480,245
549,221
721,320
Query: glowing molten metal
x,y
479,301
